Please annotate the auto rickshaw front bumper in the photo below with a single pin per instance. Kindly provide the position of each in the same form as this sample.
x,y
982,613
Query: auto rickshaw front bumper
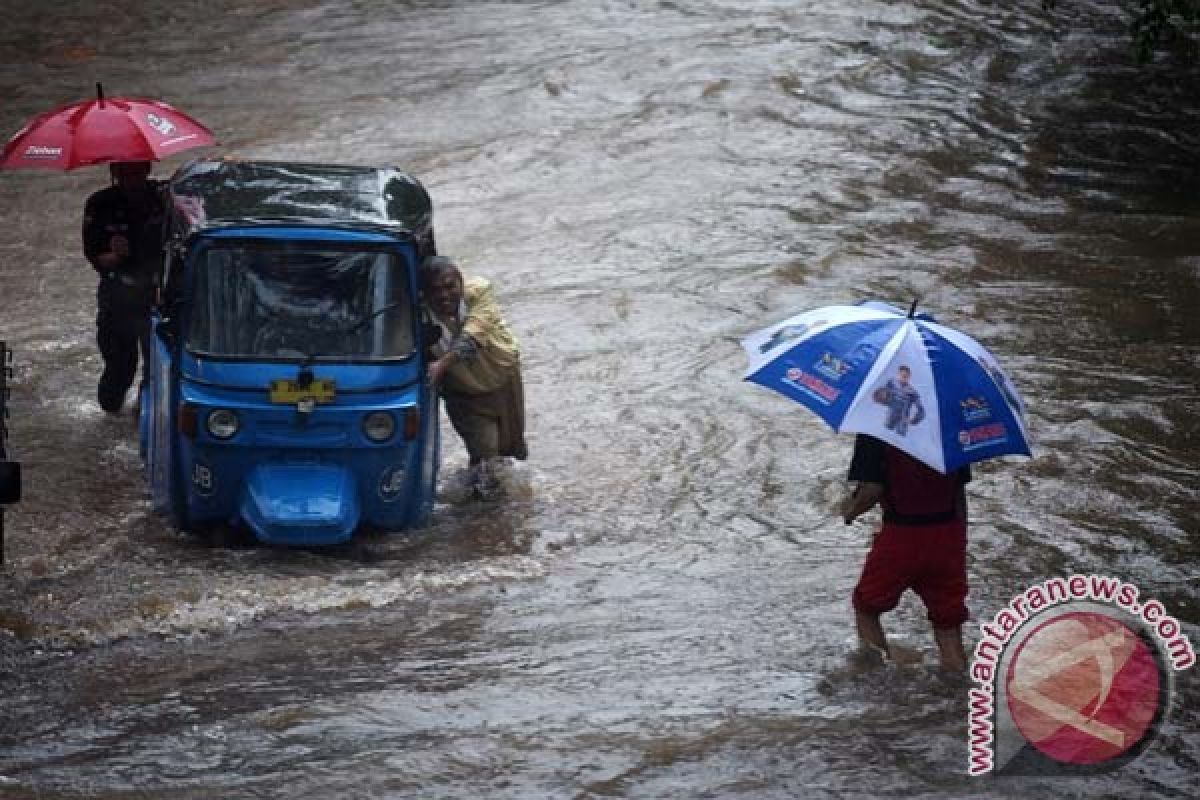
x,y
300,504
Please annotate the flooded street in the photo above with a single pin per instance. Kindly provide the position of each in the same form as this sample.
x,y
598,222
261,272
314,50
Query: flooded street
x,y
661,607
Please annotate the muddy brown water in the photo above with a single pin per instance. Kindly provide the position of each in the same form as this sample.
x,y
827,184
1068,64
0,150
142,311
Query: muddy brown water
x,y
660,608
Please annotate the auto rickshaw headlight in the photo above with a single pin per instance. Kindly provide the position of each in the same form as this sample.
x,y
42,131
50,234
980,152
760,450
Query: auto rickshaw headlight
x,y
222,423
379,426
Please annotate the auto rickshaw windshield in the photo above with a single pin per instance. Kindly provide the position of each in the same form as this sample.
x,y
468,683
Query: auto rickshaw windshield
x,y
305,302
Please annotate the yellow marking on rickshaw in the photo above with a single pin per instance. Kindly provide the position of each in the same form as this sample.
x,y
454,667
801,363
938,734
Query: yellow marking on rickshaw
x,y
320,390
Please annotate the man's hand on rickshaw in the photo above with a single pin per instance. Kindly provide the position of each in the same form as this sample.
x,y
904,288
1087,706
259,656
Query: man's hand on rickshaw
x,y
437,369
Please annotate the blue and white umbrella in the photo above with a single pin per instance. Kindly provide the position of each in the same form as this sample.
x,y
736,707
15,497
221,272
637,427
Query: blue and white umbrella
x,y
931,391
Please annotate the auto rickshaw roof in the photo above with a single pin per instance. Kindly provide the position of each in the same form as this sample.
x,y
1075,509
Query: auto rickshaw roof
x,y
222,193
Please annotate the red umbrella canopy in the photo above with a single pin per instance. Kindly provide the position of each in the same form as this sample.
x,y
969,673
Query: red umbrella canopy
x,y
102,131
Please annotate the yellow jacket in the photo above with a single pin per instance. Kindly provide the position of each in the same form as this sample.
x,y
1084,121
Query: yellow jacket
x,y
499,352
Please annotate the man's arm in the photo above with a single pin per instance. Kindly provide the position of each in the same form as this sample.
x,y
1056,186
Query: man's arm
x,y
463,348
864,497
867,472
94,242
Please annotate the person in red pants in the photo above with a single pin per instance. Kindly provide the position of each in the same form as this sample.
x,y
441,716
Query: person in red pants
x,y
922,545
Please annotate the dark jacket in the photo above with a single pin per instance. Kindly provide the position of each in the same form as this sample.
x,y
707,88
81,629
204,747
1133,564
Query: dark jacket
x,y
109,212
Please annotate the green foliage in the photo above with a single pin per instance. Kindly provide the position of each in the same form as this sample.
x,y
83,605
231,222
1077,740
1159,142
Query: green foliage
x,y
1165,21
1156,23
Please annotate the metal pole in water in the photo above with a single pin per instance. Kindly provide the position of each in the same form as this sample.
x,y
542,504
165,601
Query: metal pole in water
x,y
4,359
10,471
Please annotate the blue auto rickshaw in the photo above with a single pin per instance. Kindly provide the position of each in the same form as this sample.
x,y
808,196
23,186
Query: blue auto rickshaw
x,y
286,388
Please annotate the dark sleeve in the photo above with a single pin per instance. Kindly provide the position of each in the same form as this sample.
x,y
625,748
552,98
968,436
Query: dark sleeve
x,y
94,240
866,465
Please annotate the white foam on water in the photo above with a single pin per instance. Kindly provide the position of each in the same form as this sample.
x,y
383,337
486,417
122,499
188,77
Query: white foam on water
x,y
229,609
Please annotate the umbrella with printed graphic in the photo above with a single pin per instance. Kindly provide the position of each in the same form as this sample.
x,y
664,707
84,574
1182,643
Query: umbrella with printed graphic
x,y
925,388
102,131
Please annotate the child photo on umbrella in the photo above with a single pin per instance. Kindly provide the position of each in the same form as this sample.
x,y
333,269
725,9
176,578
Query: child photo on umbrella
x,y
903,401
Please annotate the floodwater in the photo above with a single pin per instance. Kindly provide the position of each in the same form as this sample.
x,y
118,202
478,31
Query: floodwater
x,y
661,607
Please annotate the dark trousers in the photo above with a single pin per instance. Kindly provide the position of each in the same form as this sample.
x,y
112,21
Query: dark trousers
x,y
121,333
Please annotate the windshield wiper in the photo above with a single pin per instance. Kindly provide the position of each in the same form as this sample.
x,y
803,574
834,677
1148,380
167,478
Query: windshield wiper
x,y
305,376
362,323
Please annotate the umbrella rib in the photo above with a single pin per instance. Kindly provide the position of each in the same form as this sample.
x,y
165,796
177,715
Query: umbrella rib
x,y
75,119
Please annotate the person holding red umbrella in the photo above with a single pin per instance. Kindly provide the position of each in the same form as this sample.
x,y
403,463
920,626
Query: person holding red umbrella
x,y
122,239
122,224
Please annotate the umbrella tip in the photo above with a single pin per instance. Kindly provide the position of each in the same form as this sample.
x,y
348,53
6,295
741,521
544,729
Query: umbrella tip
x,y
912,310
99,92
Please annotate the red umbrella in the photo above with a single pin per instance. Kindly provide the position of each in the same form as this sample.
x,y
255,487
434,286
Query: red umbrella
x,y
101,131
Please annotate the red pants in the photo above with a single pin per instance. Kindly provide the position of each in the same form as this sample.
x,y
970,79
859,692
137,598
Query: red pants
x,y
929,559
